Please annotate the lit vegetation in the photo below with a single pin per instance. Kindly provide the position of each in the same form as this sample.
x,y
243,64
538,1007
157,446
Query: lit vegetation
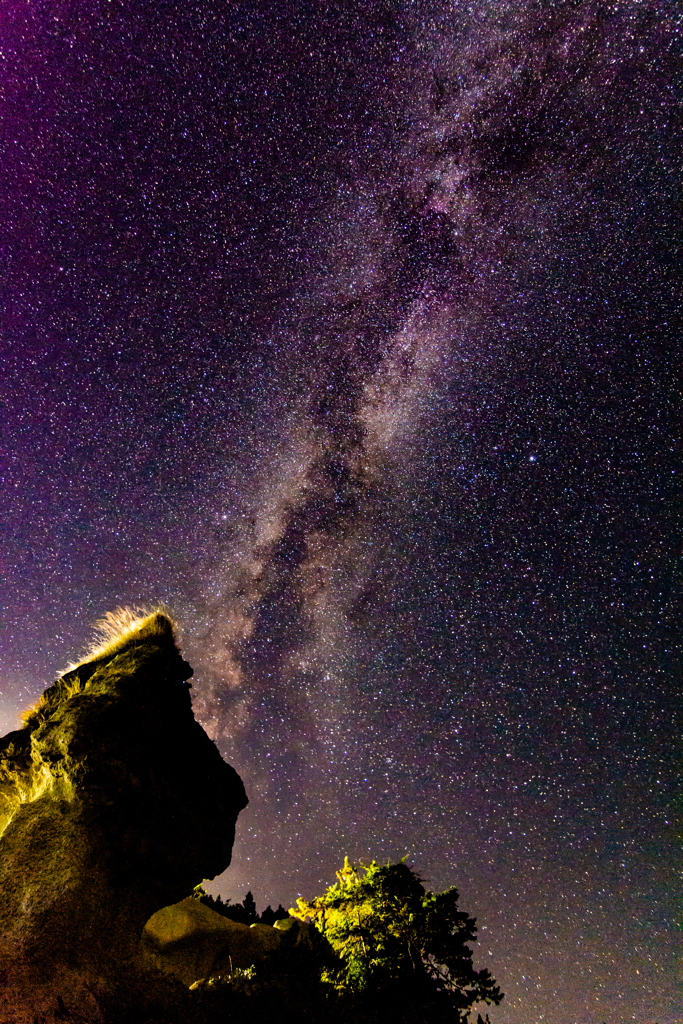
x,y
403,953
114,633
388,952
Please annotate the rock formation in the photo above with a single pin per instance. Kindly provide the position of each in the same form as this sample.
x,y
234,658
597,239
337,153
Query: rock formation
x,y
114,803
243,973
190,941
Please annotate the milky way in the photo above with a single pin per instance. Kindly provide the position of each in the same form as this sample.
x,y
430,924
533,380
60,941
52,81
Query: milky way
x,y
351,332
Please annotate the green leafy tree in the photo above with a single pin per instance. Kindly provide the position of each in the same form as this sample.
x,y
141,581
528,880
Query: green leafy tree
x,y
404,953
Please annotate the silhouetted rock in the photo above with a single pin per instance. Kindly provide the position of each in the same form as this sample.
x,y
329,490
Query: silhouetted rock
x,y
114,803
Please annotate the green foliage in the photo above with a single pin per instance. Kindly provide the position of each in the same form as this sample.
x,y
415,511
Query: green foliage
x,y
403,951
387,951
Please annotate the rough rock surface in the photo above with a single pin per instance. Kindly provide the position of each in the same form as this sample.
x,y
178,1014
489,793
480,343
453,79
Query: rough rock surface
x,y
190,941
113,803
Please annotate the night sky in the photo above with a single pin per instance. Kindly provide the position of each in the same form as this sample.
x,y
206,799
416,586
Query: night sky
x,y
350,332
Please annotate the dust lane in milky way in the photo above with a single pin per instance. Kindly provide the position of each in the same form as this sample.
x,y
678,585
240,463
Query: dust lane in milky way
x,y
349,331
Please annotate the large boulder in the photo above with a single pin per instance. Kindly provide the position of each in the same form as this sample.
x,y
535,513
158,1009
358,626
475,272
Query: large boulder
x,y
189,941
113,803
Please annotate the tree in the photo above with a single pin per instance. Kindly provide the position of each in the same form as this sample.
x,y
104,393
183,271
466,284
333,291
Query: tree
x,y
270,916
249,905
244,912
403,951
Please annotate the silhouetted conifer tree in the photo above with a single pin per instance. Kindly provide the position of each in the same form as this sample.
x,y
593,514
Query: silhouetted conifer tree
x,y
249,905
270,916
244,912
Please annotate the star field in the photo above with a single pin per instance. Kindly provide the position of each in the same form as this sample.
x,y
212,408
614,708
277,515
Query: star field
x,y
351,332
